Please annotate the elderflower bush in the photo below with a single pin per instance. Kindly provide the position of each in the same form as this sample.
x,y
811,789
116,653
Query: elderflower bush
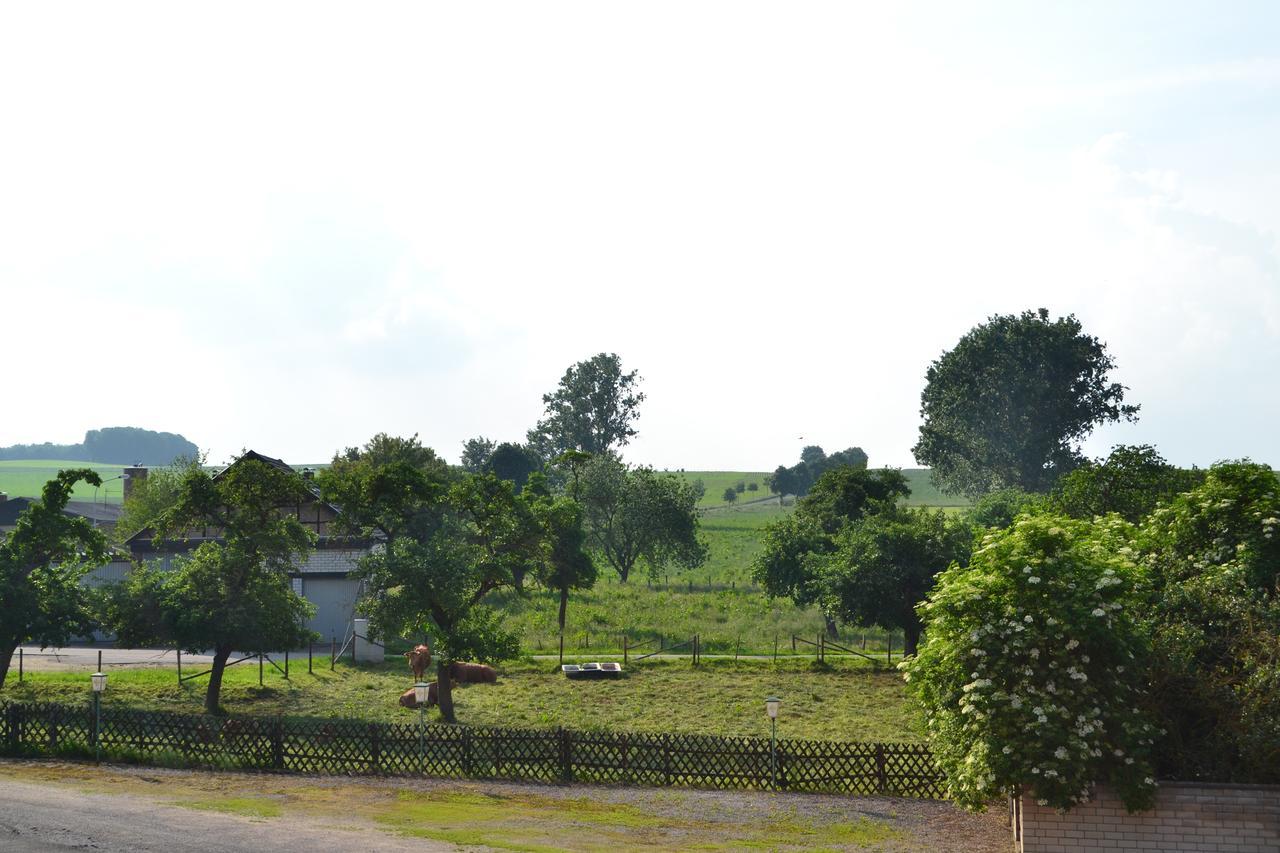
x,y
1032,670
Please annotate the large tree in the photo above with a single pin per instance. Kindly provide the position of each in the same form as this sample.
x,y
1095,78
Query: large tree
x,y
443,549
232,593
41,563
636,514
885,564
1011,402
793,546
593,409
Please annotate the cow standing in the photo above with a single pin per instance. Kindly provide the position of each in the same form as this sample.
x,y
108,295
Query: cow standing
x,y
419,659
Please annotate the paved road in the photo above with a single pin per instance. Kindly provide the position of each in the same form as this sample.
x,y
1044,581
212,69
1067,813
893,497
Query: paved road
x,y
44,818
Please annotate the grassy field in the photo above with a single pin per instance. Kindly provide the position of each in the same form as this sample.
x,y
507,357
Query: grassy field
x,y
715,482
925,493
842,701
26,477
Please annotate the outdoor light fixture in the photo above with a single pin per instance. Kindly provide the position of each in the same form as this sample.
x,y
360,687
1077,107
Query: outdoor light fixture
x,y
99,682
771,706
420,690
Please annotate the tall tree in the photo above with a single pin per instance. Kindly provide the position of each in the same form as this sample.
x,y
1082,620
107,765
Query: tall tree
x,y
445,547
885,564
233,592
787,564
636,514
1011,402
41,563
593,409
566,563
476,452
513,462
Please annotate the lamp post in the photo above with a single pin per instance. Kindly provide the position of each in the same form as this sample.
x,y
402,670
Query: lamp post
x,y
99,682
420,690
771,706
104,494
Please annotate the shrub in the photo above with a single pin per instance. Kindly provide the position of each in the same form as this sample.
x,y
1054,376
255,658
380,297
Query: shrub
x,y
1031,674
753,486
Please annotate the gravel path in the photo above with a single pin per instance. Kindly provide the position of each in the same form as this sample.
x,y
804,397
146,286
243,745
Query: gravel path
x,y
55,805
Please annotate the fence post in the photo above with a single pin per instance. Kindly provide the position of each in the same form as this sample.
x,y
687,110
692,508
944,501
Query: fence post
x,y
793,644
566,755
259,669
624,649
375,747
882,779
179,666
562,647
309,645
466,751
775,646
286,664
277,743
888,651
817,648
19,664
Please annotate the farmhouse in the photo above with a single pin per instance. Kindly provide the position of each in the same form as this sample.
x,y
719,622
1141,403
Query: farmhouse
x,y
324,579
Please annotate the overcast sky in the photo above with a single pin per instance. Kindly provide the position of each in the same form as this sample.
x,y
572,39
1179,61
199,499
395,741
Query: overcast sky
x,y
288,227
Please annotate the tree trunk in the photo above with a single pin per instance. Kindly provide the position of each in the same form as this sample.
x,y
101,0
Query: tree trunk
x,y
6,658
517,579
910,639
444,691
832,632
564,606
213,694
624,571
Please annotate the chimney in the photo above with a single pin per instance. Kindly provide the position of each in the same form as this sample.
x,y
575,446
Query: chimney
x,y
308,473
133,477
3,497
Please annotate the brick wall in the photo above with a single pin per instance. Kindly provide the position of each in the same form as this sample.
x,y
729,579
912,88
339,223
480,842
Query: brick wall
x,y
1236,818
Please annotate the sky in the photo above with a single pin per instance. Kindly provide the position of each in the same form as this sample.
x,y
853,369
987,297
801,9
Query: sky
x,y
288,227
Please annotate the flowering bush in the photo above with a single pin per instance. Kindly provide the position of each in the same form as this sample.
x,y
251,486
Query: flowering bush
x,y
1031,673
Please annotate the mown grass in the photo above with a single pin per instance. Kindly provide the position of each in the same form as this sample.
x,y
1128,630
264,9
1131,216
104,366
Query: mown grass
x,y
26,478
842,701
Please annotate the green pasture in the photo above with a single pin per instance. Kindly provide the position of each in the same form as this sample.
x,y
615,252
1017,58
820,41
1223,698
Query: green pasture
x,y
25,478
715,482
925,493
842,701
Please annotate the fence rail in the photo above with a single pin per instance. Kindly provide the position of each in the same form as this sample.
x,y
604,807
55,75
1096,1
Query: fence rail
x,y
555,755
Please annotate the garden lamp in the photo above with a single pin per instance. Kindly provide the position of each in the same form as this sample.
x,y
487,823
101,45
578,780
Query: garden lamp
x,y
420,690
771,706
99,682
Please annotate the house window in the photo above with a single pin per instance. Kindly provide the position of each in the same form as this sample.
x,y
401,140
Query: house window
x,y
297,585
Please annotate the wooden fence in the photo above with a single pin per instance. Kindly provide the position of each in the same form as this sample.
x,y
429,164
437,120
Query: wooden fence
x,y
555,755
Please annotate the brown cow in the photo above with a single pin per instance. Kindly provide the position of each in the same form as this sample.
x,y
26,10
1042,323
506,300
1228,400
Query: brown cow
x,y
419,659
475,673
409,700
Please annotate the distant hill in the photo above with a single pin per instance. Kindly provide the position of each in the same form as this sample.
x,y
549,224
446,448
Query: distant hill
x,y
117,445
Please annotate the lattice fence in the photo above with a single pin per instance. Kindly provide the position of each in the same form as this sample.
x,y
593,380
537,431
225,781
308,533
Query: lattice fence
x,y
350,746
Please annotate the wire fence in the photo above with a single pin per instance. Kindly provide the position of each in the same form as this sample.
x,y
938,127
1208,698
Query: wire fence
x,y
311,745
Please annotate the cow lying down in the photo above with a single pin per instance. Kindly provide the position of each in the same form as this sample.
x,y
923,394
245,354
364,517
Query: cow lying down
x,y
409,700
472,673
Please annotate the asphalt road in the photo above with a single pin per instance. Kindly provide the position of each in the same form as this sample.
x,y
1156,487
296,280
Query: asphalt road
x,y
42,818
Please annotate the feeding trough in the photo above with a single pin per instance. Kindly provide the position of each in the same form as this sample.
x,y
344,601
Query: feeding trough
x,y
579,671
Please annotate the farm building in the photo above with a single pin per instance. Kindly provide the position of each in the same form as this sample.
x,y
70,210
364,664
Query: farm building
x,y
103,515
324,579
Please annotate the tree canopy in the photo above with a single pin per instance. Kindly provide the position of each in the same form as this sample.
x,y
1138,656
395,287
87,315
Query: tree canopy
x,y
1011,402
814,462
637,514
42,561
1131,482
231,593
119,445
593,409
444,547
787,564
884,564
